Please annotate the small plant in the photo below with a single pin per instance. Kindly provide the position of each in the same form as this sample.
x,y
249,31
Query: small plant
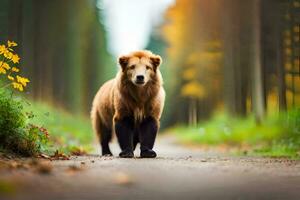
x,y
16,134
8,60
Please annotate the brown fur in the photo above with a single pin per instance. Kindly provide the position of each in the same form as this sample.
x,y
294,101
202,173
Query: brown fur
x,y
119,98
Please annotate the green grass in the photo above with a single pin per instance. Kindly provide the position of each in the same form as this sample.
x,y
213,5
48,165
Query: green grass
x,y
278,135
16,135
29,128
67,132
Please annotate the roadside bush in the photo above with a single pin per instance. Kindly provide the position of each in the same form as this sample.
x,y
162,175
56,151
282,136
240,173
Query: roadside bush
x,y
15,134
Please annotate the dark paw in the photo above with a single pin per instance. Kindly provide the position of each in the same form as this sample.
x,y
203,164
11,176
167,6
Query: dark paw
x,y
148,154
126,154
107,154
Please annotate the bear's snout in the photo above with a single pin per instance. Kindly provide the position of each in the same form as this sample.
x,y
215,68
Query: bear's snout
x,y
140,79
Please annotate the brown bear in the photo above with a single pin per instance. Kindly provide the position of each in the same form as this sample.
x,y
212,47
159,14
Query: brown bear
x,y
130,105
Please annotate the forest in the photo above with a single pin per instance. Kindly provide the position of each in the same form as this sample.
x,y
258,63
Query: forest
x,y
63,48
222,61
241,57
230,126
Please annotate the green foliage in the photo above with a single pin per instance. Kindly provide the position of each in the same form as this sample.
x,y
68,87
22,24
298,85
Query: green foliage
x,y
278,135
66,132
23,128
16,135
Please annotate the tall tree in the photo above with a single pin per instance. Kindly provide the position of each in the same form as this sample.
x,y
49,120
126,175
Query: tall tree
x,y
62,46
257,76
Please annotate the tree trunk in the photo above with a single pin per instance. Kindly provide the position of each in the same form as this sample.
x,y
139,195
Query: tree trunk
x,y
192,112
257,76
279,60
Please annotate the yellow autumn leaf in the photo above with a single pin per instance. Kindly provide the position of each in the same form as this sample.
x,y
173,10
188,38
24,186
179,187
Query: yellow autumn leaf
x,y
193,89
190,74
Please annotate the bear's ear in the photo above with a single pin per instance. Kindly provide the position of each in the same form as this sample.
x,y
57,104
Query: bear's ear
x,y
123,61
156,61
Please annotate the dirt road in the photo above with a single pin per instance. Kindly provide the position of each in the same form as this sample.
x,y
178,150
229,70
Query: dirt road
x,y
178,173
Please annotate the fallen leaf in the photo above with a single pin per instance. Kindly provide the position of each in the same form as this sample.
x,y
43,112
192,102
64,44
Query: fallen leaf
x,y
78,151
44,156
59,156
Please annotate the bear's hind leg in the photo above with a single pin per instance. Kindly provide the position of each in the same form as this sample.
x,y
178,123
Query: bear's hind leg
x,y
148,131
106,136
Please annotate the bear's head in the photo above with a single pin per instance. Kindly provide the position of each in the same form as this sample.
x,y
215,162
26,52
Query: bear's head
x,y
140,67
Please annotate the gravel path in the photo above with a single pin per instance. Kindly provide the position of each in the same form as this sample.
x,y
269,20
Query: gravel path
x,y
178,173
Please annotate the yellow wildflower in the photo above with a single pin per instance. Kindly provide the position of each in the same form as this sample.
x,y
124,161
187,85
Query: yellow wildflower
x,y
18,86
2,70
14,69
22,80
2,49
4,65
7,54
17,82
10,78
11,43
15,58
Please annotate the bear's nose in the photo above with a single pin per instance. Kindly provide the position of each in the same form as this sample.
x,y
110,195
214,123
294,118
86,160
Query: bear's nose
x,y
140,78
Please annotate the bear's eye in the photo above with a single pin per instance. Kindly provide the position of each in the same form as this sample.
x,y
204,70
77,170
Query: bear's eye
x,y
148,67
131,66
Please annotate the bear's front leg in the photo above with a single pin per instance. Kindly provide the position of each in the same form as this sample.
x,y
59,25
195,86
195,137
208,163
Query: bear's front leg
x,y
148,131
124,129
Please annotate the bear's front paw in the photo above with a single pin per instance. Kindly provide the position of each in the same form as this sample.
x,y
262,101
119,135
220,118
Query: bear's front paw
x,y
148,153
126,154
107,154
